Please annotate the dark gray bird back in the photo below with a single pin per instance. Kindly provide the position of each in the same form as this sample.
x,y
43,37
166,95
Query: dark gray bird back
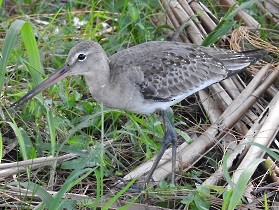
x,y
169,69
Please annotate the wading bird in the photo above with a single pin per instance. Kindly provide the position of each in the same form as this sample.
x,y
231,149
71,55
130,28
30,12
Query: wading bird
x,y
148,77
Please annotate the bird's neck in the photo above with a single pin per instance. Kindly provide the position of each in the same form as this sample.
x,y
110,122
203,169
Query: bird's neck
x,y
99,81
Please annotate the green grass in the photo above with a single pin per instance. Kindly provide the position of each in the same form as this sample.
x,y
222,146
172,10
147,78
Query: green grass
x,y
65,119
66,122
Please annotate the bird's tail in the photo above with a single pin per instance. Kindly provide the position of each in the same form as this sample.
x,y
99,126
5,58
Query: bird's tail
x,y
236,62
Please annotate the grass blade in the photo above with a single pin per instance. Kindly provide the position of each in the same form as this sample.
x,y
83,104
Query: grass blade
x,y
30,44
226,199
75,177
1,147
52,131
8,44
226,170
116,197
41,192
20,140
227,23
267,150
241,185
99,190
32,52
243,6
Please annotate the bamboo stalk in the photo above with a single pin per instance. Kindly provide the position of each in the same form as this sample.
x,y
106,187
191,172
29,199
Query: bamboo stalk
x,y
264,137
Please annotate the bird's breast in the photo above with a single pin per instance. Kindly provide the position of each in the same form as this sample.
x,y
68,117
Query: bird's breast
x,y
122,95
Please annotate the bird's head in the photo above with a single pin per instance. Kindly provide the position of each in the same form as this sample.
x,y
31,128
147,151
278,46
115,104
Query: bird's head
x,y
82,58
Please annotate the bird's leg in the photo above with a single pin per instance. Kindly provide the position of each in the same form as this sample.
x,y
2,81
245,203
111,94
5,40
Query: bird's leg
x,y
170,137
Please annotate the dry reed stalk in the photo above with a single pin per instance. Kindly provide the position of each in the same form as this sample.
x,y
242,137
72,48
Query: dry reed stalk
x,y
8,169
270,8
242,16
264,137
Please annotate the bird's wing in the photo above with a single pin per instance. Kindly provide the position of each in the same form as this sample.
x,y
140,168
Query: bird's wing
x,y
165,70
173,73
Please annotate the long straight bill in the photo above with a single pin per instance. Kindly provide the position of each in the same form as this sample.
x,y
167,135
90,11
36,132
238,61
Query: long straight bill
x,y
54,78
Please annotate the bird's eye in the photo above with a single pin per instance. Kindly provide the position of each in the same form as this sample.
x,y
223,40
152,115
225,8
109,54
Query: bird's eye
x,y
81,57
